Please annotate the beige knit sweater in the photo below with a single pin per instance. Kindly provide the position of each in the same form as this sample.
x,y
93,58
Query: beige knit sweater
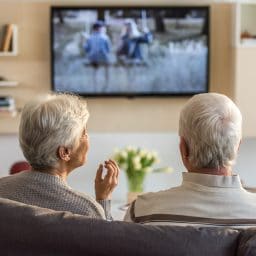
x,y
48,191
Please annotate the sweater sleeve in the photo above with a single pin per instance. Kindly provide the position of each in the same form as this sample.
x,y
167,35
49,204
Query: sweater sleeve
x,y
106,205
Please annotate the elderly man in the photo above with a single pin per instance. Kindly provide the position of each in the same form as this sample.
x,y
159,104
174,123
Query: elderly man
x,y
210,193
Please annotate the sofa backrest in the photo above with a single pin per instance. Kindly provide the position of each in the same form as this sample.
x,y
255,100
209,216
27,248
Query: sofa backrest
x,y
30,230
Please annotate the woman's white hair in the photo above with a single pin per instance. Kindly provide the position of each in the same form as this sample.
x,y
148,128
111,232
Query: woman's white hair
x,y
134,31
49,122
211,125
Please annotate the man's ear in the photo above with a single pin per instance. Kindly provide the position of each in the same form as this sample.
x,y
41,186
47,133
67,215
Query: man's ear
x,y
184,150
64,153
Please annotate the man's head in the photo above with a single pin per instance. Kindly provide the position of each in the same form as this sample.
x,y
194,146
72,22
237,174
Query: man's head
x,y
210,128
98,25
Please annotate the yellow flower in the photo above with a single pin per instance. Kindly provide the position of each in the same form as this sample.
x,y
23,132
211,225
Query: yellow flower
x,y
143,153
130,149
123,154
136,160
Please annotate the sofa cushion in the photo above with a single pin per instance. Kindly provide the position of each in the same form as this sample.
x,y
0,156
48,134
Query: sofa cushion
x,y
247,243
30,230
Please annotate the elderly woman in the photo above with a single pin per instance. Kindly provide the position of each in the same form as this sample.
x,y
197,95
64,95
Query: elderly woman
x,y
129,50
210,130
54,140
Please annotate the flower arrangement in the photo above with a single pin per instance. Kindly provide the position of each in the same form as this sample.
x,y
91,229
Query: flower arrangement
x,y
137,162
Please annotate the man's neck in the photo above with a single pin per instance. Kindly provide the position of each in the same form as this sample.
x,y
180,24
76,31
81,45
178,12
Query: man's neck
x,y
223,171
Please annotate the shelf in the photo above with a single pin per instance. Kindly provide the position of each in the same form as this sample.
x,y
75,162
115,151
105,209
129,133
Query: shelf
x,y
8,83
6,54
8,48
7,113
245,25
244,46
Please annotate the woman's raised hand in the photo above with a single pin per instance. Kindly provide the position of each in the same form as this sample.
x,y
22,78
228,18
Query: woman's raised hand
x,y
104,186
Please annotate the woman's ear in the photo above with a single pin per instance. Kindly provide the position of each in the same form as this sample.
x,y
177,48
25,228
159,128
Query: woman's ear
x,y
64,153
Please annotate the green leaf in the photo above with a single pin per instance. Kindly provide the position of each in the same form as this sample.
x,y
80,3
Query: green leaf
x,y
164,169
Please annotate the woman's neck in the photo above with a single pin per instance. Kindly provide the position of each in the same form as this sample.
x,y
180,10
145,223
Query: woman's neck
x,y
55,172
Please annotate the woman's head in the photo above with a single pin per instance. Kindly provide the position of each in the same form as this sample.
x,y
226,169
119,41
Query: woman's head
x,y
49,123
131,29
211,126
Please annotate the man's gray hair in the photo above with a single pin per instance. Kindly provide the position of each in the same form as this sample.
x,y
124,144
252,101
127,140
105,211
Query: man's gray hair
x,y
211,125
49,122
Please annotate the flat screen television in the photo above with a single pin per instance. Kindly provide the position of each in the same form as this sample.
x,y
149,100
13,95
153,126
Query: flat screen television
x,y
130,51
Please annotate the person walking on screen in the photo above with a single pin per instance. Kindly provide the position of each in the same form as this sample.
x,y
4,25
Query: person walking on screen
x,y
98,49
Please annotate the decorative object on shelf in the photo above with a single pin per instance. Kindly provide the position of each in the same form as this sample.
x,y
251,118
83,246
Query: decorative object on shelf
x,y
246,34
244,13
137,163
9,40
8,34
247,38
7,102
7,106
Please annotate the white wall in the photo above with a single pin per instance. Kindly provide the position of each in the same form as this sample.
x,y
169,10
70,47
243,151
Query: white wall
x,y
101,148
103,144
31,68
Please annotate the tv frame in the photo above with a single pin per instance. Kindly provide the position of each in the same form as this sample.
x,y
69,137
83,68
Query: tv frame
x,y
131,95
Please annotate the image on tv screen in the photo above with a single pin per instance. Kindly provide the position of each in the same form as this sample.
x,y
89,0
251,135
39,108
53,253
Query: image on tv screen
x,y
130,51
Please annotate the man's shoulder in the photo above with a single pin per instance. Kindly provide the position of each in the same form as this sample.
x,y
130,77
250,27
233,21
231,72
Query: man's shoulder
x,y
153,204
159,194
155,201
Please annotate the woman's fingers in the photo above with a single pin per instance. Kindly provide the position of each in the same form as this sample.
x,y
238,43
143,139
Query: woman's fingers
x,y
115,166
110,170
114,172
117,169
105,186
99,173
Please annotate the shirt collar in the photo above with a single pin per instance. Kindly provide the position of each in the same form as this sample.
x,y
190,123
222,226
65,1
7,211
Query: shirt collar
x,y
212,180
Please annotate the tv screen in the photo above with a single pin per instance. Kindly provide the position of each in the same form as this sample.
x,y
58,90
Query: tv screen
x,y
133,51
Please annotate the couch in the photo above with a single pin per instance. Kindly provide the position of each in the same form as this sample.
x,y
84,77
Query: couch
x,y
29,230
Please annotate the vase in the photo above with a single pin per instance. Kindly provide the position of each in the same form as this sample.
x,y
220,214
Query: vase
x,y
135,186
